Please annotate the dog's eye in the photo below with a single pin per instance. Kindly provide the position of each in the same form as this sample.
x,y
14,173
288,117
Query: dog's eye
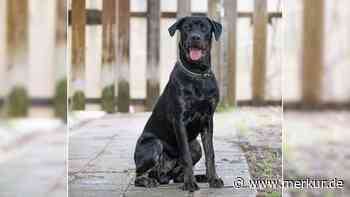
x,y
187,27
203,27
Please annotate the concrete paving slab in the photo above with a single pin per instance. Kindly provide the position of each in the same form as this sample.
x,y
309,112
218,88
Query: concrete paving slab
x,y
173,190
99,183
101,159
38,170
316,146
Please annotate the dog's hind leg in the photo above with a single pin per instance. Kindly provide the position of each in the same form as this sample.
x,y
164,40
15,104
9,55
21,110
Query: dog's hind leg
x,y
161,172
147,157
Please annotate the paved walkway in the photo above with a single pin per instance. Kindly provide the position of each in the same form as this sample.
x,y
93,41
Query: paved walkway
x,y
101,159
32,162
316,145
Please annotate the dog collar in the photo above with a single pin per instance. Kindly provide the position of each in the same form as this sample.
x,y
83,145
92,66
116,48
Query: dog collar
x,y
193,74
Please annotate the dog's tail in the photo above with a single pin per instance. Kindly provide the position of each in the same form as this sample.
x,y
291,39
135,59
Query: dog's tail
x,y
201,178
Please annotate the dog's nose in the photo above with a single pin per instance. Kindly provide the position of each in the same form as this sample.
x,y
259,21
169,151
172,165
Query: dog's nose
x,y
195,37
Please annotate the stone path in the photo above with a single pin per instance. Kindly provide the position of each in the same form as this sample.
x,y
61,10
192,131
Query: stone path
x,y
101,159
32,163
316,145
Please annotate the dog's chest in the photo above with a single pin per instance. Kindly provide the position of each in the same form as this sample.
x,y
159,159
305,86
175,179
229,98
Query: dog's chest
x,y
201,98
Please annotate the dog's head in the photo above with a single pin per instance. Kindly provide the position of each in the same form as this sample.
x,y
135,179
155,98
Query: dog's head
x,y
196,35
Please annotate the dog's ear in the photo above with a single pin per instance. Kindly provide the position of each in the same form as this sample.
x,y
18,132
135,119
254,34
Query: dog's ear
x,y
216,29
172,29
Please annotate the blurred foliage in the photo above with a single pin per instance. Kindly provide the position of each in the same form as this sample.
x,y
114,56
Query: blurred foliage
x,y
78,101
18,102
224,108
60,99
108,96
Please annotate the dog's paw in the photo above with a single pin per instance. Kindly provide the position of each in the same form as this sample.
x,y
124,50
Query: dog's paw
x,y
146,182
190,186
179,179
216,183
163,180
201,178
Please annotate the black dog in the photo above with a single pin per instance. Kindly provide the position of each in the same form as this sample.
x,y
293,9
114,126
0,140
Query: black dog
x,y
168,148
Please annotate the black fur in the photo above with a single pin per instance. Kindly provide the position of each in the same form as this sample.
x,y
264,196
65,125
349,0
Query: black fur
x,y
168,149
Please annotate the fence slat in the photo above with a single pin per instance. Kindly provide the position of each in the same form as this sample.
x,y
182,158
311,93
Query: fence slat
x,y
153,53
260,20
60,97
108,56
123,55
214,13
312,67
183,9
230,7
78,55
17,102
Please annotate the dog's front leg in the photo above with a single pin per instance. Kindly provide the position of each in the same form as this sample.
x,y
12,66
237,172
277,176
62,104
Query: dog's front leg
x,y
207,140
183,144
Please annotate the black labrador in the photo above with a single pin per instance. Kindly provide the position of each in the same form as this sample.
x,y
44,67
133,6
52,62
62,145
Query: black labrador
x,y
167,148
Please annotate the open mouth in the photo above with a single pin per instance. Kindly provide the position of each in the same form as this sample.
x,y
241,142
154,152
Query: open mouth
x,y
195,54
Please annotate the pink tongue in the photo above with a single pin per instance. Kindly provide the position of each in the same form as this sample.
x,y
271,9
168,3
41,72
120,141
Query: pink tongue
x,y
195,54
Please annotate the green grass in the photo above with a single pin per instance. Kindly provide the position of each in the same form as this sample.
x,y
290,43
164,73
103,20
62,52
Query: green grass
x,y
224,108
329,194
274,194
267,167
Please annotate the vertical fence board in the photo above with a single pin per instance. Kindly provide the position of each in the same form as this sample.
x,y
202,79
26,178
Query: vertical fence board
x,y
123,55
3,24
108,55
259,50
230,7
214,13
312,67
183,9
78,54
2,55
223,57
17,102
153,53
60,97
